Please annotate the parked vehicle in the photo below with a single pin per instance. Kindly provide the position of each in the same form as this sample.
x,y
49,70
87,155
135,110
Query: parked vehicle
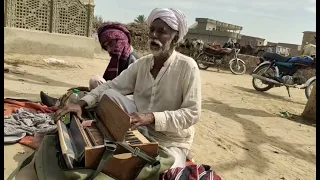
x,y
309,87
274,70
259,50
210,57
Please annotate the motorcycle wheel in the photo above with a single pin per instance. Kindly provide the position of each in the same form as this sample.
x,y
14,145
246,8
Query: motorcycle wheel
x,y
202,66
234,67
309,88
260,71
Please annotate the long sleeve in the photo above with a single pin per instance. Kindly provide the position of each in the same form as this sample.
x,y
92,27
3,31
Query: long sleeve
x,y
189,113
303,50
124,83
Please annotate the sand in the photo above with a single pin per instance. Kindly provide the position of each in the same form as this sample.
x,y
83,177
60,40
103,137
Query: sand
x,y
240,135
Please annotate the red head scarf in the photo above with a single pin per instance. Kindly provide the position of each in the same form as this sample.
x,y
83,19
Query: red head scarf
x,y
121,52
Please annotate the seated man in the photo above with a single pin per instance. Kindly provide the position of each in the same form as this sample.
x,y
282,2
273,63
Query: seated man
x,y
309,50
166,87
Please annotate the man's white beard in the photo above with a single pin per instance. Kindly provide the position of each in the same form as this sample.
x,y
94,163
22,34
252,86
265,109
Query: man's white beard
x,y
163,48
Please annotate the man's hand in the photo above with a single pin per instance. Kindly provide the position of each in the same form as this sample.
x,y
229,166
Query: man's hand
x,y
139,119
75,108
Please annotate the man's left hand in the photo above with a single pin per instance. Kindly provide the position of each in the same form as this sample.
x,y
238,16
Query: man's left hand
x,y
140,119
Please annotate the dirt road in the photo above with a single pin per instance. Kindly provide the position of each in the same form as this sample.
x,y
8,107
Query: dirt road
x,y
241,134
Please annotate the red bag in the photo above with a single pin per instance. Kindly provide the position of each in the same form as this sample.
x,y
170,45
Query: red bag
x,y
191,172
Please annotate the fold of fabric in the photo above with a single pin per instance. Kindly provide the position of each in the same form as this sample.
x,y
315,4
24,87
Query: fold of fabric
x,y
193,171
11,106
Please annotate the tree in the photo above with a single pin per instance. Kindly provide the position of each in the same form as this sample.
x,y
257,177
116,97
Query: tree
x,y
140,19
96,23
310,108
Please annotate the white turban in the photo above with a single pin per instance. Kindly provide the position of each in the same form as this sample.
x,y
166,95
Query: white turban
x,y
173,17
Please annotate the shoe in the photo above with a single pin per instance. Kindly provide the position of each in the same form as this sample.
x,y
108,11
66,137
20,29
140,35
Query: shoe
x,y
47,100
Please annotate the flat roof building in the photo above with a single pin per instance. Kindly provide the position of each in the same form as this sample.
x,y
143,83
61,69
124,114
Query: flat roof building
x,y
210,31
251,40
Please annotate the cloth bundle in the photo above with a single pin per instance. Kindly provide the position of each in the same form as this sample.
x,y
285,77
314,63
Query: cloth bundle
x,y
27,122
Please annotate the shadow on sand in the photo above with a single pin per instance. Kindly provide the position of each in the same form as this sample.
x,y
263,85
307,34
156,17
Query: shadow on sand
x,y
255,137
266,95
36,79
26,96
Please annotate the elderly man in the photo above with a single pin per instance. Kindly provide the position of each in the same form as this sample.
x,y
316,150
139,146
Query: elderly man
x,y
309,50
166,87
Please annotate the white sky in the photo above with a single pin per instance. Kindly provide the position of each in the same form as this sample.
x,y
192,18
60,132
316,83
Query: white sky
x,y
275,20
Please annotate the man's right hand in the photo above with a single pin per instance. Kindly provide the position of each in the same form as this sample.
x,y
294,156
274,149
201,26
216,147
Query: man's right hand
x,y
74,108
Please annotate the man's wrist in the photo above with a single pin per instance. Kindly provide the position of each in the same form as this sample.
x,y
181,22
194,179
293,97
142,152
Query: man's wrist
x,y
82,103
151,118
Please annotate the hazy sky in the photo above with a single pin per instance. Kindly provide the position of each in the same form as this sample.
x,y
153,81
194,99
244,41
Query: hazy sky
x,y
275,20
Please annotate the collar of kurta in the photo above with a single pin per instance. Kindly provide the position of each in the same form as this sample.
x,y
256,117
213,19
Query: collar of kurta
x,y
168,61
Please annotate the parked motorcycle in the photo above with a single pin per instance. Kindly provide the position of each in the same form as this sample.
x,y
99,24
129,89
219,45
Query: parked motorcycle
x,y
210,57
274,70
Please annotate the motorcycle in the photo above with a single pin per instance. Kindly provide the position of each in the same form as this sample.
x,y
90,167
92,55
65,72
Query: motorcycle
x,y
210,56
274,70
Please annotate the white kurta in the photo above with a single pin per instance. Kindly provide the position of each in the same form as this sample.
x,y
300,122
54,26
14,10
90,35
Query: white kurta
x,y
174,97
309,49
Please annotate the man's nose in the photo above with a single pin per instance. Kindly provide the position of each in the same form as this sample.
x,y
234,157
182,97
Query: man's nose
x,y
153,35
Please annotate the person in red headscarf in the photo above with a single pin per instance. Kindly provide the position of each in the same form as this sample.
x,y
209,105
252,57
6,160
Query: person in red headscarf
x,y
116,40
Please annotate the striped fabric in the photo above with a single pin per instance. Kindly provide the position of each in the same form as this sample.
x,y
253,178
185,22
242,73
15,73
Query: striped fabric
x,y
191,172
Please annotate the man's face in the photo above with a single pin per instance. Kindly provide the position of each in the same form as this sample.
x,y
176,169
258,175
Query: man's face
x,y
110,45
160,37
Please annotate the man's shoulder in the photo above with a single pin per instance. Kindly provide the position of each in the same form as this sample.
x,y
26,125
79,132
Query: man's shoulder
x,y
190,62
144,59
309,46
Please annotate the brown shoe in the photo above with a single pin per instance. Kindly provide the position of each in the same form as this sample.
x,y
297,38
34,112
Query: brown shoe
x,y
47,100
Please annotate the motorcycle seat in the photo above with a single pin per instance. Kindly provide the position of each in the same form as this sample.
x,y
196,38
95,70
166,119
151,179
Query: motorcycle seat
x,y
217,51
276,57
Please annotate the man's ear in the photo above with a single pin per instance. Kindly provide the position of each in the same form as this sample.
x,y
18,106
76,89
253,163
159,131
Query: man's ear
x,y
175,39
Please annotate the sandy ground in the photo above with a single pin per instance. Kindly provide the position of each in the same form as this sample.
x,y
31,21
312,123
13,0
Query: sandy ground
x,y
240,135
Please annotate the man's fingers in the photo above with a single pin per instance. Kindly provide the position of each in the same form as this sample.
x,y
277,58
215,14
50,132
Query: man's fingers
x,y
133,120
135,125
56,115
79,115
61,113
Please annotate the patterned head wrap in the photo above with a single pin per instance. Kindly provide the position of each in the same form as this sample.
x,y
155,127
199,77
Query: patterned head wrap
x,y
115,31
